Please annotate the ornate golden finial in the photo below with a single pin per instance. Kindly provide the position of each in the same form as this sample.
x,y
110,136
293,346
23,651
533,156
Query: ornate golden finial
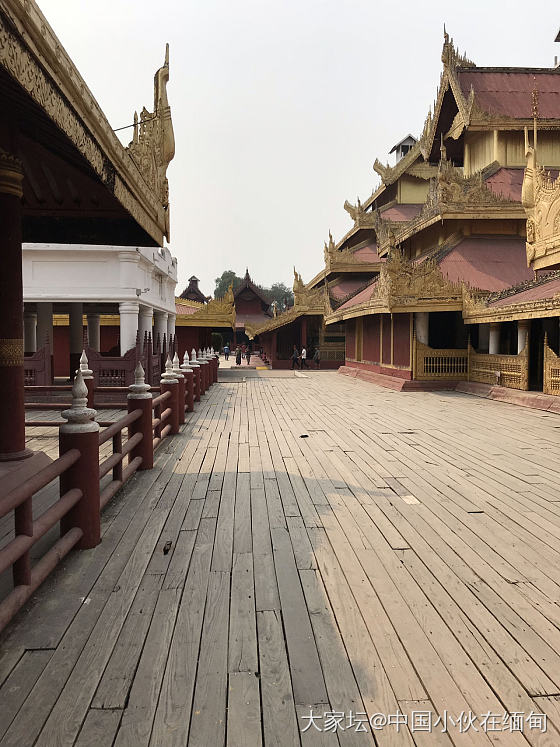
x,y
153,142
535,110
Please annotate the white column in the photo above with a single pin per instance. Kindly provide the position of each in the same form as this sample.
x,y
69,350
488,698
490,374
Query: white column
x,y
44,324
160,324
145,321
483,338
30,331
422,325
494,343
128,311
94,332
76,328
522,334
171,324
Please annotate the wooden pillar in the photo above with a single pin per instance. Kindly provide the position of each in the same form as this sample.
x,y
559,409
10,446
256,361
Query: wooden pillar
x,y
76,326
483,338
303,331
494,343
12,420
522,334
94,332
422,325
45,324
29,332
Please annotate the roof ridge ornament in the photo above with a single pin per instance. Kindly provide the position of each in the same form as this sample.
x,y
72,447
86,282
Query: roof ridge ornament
x,y
153,143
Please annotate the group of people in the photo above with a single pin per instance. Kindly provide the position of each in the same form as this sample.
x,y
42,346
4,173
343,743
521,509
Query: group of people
x,y
241,351
299,358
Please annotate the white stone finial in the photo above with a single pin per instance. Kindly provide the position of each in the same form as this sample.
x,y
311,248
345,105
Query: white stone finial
x,y
177,368
86,372
193,355
80,417
199,353
186,366
139,374
139,390
169,376
79,391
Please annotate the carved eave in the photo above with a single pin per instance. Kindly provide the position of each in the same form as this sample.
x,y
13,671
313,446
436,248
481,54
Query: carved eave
x,y
218,312
33,56
308,301
476,310
390,174
403,287
451,197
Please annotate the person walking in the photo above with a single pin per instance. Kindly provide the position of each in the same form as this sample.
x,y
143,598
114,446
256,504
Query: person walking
x,y
317,358
295,357
238,356
226,351
248,356
304,358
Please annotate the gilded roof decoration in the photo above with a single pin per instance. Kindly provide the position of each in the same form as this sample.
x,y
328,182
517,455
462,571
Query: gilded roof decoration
x,y
541,200
31,54
218,312
153,143
405,286
307,301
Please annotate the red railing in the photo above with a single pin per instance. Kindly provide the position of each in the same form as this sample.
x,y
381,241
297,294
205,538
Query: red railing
x,y
160,431
83,487
115,461
28,531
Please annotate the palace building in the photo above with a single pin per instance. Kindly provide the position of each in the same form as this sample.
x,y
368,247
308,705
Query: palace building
x,y
451,268
450,222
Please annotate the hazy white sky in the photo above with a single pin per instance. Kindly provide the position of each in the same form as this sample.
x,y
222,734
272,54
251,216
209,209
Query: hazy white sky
x,y
280,108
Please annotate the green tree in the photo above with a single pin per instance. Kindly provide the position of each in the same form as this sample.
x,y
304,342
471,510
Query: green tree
x,y
280,293
227,278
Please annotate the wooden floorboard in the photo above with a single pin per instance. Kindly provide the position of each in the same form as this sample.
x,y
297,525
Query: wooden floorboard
x,y
307,553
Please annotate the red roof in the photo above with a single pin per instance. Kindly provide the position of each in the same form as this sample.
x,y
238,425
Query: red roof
x,y
506,183
491,263
344,287
487,262
367,254
508,92
360,297
182,310
400,213
536,293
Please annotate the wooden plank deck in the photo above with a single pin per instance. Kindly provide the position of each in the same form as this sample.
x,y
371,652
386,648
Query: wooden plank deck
x,y
309,544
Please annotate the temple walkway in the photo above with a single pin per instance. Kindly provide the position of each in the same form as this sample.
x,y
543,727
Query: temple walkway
x,y
309,542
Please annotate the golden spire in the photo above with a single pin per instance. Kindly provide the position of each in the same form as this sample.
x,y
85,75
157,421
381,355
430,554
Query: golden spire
x,y
535,108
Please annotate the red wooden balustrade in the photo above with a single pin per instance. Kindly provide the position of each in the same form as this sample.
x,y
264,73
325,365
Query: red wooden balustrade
x,y
28,531
84,490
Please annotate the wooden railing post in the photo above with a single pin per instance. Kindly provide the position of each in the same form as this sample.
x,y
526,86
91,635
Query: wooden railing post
x,y
180,389
188,373
140,398
197,368
81,432
169,383
205,370
216,361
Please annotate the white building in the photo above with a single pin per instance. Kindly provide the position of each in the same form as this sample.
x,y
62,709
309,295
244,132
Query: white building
x,y
138,283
